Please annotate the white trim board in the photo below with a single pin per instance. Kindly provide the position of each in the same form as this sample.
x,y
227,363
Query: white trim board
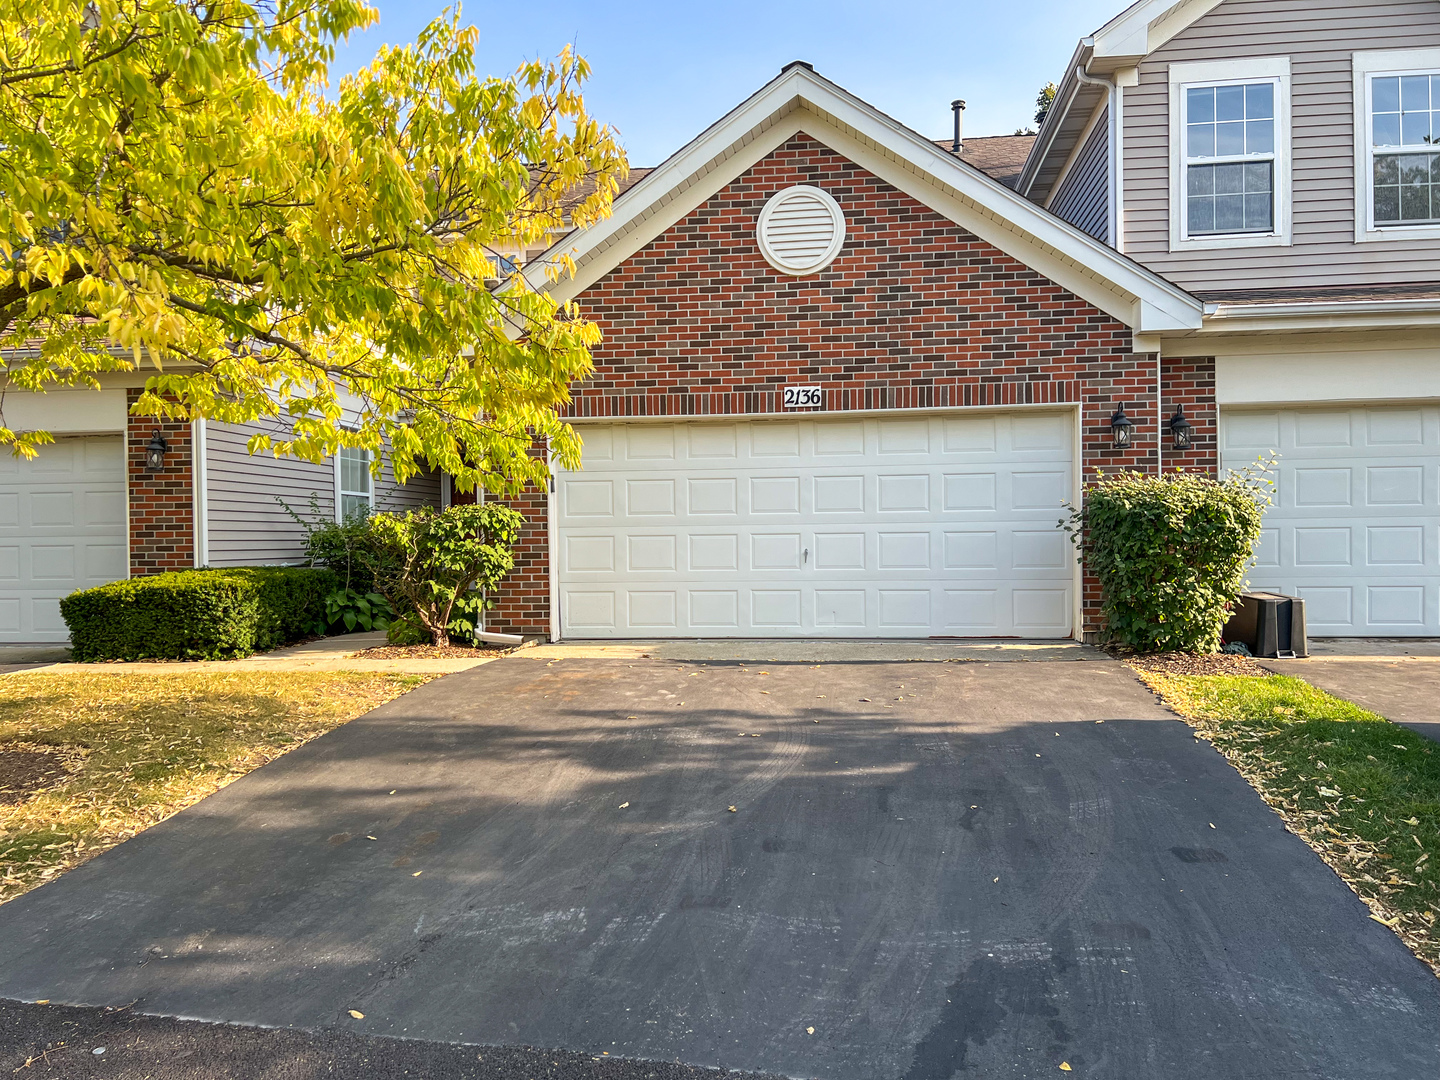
x,y
799,100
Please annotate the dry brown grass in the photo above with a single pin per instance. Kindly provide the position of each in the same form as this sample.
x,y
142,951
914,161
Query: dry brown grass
x,y
141,747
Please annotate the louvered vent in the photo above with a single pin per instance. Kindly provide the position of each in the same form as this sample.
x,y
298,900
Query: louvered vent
x,y
801,230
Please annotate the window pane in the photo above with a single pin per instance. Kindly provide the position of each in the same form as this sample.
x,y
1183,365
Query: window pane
x,y
353,506
1229,179
1415,93
1260,137
1201,180
1387,129
1200,104
1415,202
1257,213
1230,139
1229,213
1387,204
1415,128
1387,170
1257,177
1385,95
1200,140
1414,169
1230,103
1260,101
1201,216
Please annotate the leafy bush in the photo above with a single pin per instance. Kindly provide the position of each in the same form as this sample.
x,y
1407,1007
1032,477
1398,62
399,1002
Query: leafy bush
x,y
341,545
196,614
354,611
1170,552
425,561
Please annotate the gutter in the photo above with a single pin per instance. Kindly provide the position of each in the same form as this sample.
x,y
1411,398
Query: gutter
x,y
1301,308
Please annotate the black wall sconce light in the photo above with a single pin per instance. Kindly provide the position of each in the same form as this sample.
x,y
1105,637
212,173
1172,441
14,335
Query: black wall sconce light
x,y
155,452
1122,428
1181,429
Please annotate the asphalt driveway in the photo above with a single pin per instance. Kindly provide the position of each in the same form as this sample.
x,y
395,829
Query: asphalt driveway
x,y
840,870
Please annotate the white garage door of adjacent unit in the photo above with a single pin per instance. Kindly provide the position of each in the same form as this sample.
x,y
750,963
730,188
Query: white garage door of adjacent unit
x,y
907,527
1355,529
62,528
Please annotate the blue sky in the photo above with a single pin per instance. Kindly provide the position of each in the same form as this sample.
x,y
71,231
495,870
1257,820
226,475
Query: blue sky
x,y
665,71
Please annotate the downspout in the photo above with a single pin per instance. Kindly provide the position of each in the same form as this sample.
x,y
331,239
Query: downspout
x,y
200,478
1113,119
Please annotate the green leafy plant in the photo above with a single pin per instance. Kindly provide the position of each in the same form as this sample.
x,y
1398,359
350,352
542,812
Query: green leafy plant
x,y
1171,553
340,545
426,561
196,614
354,611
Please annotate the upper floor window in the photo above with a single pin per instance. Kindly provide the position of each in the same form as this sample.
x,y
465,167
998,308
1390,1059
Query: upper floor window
x,y
357,495
1230,158
1397,144
1230,154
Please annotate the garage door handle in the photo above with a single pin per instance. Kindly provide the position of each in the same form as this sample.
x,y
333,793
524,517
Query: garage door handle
x,y
807,554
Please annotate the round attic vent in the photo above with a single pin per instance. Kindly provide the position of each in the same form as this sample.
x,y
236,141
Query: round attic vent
x,y
801,230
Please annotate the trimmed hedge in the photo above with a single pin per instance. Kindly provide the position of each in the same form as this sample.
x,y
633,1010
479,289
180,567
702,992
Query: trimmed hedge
x,y
197,614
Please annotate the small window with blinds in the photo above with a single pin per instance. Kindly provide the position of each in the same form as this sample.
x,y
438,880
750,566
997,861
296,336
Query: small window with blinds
x,y
801,230
356,492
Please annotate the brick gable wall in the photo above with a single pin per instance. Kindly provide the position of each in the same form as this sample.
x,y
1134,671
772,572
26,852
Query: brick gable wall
x,y
914,313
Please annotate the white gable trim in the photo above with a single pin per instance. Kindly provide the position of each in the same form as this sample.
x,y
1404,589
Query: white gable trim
x,y
1144,27
799,100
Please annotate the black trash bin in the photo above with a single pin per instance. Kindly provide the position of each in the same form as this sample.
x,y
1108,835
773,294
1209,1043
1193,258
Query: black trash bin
x,y
1269,625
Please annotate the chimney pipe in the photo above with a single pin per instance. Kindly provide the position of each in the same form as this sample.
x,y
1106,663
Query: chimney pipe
x,y
958,108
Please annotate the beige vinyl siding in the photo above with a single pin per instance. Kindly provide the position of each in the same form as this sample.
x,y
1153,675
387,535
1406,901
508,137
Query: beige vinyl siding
x,y
1319,36
248,527
1083,197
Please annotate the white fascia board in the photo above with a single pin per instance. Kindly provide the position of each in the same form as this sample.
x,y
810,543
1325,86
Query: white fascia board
x,y
1144,27
801,100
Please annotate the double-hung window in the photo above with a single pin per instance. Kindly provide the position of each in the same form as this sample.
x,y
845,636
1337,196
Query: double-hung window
x,y
1230,154
1397,95
352,482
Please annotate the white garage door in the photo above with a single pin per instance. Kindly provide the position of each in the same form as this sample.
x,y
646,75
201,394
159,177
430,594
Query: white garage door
x,y
906,527
1355,529
62,528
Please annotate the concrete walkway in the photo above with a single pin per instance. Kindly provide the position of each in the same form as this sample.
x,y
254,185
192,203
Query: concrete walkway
x,y
327,654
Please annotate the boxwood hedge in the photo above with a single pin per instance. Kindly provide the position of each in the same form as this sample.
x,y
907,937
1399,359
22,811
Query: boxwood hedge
x,y
197,614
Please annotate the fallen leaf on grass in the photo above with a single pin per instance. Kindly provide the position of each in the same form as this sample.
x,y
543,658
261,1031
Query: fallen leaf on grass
x,y
356,1013
1392,923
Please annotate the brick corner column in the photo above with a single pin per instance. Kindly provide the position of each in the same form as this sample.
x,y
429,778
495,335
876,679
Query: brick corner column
x,y
161,504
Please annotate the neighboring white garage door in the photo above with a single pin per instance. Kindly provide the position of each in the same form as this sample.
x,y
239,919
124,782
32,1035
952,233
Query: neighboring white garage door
x,y
907,527
62,528
1355,529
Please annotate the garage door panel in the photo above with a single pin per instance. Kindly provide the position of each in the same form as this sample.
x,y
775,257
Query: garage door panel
x,y
893,526
1355,525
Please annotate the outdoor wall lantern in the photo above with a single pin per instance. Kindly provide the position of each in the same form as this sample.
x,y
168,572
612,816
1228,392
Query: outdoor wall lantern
x,y
1122,427
155,452
1181,429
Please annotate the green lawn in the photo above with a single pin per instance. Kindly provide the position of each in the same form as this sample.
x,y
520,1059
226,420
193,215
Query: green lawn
x,y
121,752
1363,792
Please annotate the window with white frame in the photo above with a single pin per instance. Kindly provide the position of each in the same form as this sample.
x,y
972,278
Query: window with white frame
x,y
1230,158
1230,153
357,494
1397,144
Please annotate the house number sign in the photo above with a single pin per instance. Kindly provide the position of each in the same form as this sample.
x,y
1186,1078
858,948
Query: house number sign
x,y
804,397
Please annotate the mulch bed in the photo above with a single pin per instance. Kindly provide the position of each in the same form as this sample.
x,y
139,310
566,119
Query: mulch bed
x,y
427,652
24,772
1190,664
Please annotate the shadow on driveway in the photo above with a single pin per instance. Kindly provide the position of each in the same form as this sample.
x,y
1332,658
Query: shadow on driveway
x,y
930,868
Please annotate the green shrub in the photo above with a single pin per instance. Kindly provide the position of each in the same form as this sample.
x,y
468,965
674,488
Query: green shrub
x,y
1170,553
429,562
343,546
197,614
347,611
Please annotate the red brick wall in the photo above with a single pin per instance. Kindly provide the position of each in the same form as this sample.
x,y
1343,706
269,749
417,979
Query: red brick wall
x,y
1191,383
915,313
162,505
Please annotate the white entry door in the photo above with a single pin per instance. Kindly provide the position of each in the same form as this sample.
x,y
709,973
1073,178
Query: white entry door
x,y
62,528
913,526
1355,529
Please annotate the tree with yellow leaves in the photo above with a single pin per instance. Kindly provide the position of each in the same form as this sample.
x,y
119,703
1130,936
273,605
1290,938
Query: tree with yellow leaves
x,y
179,186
